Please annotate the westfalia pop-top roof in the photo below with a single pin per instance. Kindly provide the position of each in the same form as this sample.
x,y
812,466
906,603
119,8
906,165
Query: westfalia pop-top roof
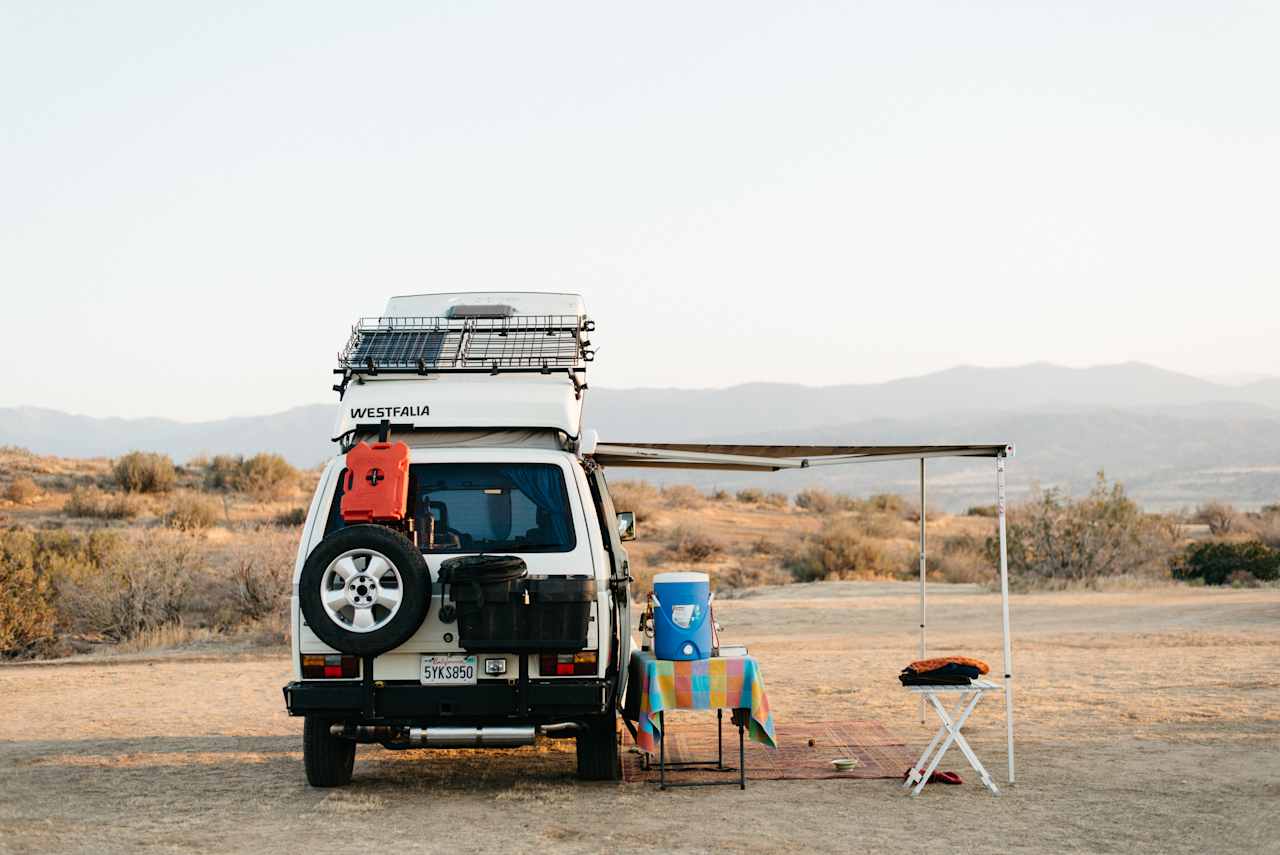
x,y
493,359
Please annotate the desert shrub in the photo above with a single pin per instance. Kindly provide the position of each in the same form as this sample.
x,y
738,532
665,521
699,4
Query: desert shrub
x,y
94,504
121,506
222,473
687,544
775,500
191,512
267,476
682,496
640,497
1219,516
749,574
1243,579
765,546
1053,537
981,511
264,476
822,501
889,503
291,518
750,495
144,472
880,524
136,589
21,490
1216,562
36,569
66,556
261,573
27,613
839,551
1264,526
82,503
719,495
959,558
814,500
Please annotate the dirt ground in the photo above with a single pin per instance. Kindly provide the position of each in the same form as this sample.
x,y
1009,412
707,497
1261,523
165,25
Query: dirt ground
x,y
1147,721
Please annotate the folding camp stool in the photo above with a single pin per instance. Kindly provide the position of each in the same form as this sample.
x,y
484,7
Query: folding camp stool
x,y
951,724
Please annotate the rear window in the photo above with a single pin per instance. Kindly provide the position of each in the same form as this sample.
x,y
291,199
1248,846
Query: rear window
x,y
484,507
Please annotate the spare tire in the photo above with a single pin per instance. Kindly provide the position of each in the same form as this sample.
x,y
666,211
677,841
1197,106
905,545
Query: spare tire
x,y
365,589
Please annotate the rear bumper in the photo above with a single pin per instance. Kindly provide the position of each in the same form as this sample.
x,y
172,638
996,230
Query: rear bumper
x,y
534,702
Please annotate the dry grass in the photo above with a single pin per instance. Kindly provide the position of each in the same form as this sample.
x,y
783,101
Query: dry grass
x,y
192,512
639,497
159,753
843,549
92,503
691,545
21,490
682,496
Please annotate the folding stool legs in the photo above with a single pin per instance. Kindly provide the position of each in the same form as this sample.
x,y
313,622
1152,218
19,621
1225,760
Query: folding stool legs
x,y
953,732
914,775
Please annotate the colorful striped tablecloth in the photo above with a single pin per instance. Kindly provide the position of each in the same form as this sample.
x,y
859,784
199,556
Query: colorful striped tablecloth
x,y
701,684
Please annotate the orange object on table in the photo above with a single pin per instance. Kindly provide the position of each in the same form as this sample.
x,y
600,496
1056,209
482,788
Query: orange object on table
x,y
377,485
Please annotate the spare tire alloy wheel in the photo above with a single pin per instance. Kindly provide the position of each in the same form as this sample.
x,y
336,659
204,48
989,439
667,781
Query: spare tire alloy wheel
x,y
364,589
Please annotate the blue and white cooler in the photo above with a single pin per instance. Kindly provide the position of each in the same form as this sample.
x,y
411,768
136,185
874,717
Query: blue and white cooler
x,y
682,625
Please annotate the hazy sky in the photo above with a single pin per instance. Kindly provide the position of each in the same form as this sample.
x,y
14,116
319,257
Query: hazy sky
x,y
197,200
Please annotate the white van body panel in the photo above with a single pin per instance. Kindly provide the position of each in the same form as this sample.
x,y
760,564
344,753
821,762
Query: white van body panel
x,y
448,401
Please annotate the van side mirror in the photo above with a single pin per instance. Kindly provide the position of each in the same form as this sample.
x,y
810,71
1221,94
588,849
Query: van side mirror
x,y
626,525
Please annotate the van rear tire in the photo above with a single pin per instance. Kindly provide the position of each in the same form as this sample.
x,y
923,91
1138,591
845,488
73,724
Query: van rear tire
x,y
598,758
328,759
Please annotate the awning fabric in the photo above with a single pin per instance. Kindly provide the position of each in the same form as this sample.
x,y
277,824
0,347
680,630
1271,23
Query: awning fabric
x,y
771,458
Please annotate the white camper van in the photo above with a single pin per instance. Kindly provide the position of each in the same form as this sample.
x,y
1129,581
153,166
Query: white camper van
x,y
461,579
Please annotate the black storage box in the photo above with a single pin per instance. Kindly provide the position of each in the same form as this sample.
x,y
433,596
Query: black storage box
x,y
532,614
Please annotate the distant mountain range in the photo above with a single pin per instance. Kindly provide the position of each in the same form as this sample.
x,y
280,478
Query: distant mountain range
x,y
1171,438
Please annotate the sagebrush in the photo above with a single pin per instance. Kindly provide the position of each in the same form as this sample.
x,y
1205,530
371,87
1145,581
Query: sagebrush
x,y
144,472
1055,539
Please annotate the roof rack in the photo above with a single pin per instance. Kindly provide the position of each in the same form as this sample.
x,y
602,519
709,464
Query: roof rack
x,y
542,344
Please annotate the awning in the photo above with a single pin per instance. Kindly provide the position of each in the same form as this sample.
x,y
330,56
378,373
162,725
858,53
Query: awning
x,y
771,458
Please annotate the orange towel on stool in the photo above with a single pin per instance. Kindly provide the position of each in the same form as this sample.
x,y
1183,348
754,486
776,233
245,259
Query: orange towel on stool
x,y
922,665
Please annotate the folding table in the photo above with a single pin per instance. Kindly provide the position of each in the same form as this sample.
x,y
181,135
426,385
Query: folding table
x,y
656,686
970,695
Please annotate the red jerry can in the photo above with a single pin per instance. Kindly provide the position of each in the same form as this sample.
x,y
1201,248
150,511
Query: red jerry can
x,y
377,486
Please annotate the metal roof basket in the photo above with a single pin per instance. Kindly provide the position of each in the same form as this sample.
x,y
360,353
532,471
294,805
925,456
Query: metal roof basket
x,y
468,344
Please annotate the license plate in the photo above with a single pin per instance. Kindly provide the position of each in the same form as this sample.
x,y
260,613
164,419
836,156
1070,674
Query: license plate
x,y
448,670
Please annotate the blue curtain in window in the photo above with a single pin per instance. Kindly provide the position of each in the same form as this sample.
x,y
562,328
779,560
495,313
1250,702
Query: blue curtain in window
x,y
544,485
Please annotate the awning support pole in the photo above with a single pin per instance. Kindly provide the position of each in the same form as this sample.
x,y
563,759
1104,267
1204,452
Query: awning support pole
x,y
1004,606
922,574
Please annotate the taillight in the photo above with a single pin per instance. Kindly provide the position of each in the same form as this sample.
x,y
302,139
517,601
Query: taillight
x,y
319,667
567,664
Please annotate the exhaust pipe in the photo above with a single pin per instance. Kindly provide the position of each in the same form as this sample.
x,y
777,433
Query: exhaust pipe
x,y
367,733
472,737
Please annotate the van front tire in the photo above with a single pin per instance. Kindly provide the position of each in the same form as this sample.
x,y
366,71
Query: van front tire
x,y
598,749
328,759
